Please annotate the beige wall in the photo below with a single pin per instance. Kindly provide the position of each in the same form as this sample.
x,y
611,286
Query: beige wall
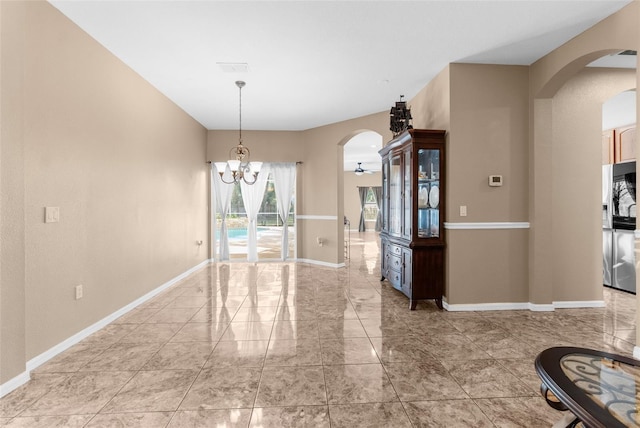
x,y
12,261
487,266
489,130
576,173
352,196
431,107
125,166
265,146
488,135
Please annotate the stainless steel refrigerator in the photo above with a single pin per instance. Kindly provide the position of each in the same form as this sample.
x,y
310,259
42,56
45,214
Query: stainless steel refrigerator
x,y
618,226
607,225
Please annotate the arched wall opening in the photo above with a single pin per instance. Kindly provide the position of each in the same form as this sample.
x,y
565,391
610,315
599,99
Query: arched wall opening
x,y
565,245
576,170
348,181
321,188
362,165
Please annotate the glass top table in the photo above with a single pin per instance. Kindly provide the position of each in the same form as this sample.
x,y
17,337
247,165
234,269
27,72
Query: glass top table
x,y
599,388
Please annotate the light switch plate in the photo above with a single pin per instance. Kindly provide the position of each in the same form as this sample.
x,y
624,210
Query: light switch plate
x,y
463,210
51,214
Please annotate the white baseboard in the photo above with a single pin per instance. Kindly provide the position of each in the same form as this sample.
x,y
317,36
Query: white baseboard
x,y
69,342
579,304
316,217
320,263
464,307
14,383
537,307
534,307
487,225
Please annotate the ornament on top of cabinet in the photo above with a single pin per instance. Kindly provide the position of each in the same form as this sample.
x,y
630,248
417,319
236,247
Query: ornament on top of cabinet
x,y
400,117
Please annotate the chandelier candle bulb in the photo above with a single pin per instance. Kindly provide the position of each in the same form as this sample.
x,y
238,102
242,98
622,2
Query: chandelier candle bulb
x,y
256,167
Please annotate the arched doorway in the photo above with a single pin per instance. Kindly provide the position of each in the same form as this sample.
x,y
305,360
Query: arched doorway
x,y
358,150
362,167
550,150
565,187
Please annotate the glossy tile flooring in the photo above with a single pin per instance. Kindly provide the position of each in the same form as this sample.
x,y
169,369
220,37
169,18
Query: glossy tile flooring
x,y
298,345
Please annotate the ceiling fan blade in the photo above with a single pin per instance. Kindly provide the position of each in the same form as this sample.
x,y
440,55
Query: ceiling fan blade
x,y
366,171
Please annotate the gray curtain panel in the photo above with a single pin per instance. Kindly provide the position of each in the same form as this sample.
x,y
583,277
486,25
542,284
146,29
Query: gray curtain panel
x,y
377,192
363,197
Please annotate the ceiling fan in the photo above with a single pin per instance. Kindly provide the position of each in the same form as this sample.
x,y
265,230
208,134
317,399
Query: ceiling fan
x,y
359,170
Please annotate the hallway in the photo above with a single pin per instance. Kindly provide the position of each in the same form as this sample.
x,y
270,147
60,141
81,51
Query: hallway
x,y
292,344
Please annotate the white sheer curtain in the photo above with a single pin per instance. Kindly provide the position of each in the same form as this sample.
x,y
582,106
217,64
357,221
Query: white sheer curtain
x,y
284,180
222,193
252,195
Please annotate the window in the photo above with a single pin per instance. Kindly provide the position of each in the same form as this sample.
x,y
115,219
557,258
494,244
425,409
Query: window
x,y
370,206
268,215
269,224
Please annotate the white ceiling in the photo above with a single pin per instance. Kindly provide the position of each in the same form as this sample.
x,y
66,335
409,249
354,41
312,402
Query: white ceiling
x,y
319,62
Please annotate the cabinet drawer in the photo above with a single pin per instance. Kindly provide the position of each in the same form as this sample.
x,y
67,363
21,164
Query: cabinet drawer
x,y
395,278
394,250
395,263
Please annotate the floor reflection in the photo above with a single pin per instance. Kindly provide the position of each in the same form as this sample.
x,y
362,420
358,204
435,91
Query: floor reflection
x,y
291,344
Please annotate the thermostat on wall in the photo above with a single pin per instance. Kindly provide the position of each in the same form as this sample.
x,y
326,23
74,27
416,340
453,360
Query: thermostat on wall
x,y
495,180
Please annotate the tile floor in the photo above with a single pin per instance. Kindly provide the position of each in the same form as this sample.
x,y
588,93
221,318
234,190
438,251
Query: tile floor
x,y
286,344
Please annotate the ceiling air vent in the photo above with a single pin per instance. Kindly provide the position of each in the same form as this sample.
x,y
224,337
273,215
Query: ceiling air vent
x,y
234,67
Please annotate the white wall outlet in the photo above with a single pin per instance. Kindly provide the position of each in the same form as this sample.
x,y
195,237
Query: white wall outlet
x,y
320,241
51,214
79,292
463,210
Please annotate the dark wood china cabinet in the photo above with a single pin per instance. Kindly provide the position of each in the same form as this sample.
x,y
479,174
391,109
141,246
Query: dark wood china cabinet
x,y
413,212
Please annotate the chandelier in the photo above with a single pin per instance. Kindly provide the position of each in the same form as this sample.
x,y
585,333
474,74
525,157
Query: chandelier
x,y
238,163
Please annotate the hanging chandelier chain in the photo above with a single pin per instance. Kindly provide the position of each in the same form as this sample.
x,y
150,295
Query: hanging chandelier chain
x,y
240,115
240,84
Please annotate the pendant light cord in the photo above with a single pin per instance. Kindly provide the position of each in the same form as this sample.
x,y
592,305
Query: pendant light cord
x,y
240,127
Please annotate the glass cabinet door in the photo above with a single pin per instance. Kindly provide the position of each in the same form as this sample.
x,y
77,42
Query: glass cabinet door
x,y
395,196
428,193
407,196
385,196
